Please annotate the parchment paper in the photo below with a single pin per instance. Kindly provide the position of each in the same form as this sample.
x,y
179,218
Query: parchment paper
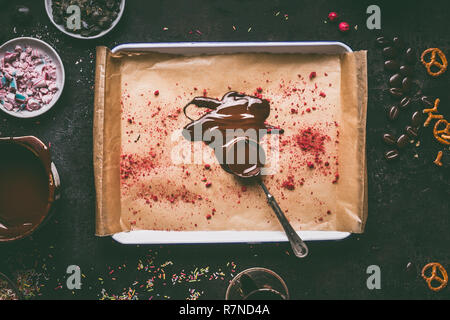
x,y
136,134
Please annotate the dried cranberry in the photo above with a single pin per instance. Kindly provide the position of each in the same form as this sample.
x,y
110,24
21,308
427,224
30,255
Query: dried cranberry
x,y
333,16
344,27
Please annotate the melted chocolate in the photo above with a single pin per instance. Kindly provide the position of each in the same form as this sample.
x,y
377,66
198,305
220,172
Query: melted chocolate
x,y
24,190
232,118
244,157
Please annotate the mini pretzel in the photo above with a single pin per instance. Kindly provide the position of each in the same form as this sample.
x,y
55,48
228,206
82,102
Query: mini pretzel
x,y
435,107
443,281
431,117
433,61
438,159
442,135
430,112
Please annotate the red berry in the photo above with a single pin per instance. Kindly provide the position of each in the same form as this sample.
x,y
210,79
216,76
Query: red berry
x,y
333,16
344,26
156,92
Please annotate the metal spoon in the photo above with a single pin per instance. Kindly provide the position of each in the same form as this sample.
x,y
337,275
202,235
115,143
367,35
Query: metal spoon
x,y
253,172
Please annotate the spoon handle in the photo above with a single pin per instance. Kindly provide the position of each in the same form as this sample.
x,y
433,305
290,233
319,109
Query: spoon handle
x,y
298,246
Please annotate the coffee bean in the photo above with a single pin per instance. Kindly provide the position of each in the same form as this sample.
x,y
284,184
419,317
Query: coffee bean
x,y
393,113
406,84
410,56
416,119
389,139
405,102
391,154
412,132
382,42
428,101
397,43
390,52
396,92
406,70
396,81
402,141
391,65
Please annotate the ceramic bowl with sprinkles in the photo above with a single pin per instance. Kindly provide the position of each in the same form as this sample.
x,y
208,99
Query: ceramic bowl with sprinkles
x,y
96,17
31,77
8,290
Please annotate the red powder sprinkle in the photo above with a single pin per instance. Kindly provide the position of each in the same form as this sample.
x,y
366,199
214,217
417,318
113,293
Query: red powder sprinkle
x,y
336,178
311,140
208,184
207,166
328,212
132,165
322,94
244,189
293,111
208,216
289,183
312,75
156,93
259,89
205,93
310,164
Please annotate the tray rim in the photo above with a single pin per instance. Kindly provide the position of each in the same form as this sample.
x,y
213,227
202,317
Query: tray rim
x,y
135,46
232,236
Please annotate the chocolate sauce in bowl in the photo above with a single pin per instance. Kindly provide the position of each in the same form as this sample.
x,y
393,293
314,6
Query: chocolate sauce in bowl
x,y
235,116
26,186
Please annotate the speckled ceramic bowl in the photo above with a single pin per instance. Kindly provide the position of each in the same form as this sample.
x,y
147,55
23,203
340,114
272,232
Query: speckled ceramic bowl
x,y
60,74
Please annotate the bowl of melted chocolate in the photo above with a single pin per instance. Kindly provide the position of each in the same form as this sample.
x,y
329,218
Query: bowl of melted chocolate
x,y
29,186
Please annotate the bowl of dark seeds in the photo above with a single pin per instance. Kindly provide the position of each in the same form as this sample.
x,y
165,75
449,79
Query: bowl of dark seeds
x,y
85,19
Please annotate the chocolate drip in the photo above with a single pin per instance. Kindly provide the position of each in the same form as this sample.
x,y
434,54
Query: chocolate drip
x,y
231,118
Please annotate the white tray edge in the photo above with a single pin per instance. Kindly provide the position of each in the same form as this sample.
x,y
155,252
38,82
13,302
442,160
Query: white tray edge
x,y
186,237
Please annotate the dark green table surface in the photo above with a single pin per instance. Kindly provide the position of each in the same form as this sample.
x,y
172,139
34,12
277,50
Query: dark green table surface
x,y
409,216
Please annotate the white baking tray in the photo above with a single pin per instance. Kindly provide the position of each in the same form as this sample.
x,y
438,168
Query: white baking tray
x,y
196,48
